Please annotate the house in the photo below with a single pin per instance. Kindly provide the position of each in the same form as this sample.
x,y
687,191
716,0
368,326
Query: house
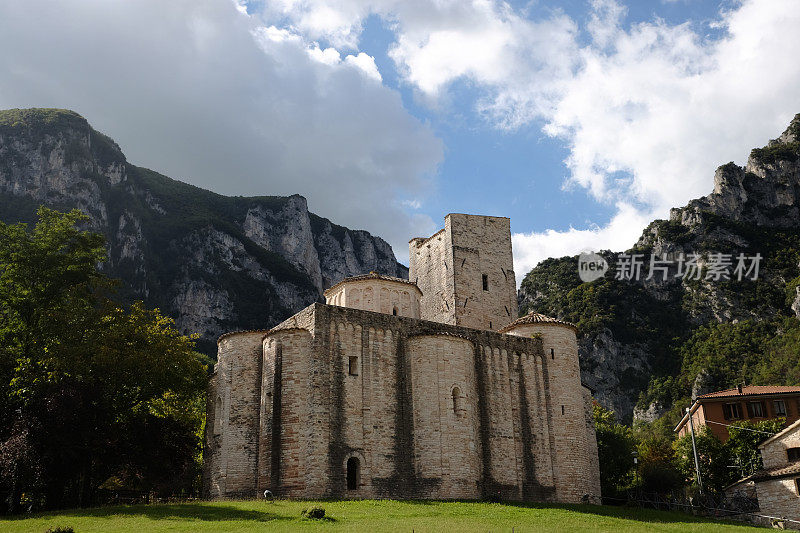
x,y
754,403
777,485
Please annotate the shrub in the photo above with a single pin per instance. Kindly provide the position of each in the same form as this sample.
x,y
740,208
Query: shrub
x,y
314,513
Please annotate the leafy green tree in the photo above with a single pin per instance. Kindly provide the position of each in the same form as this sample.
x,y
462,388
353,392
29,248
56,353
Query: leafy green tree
x,y
615,447
742,446
714,458
658,465
89,389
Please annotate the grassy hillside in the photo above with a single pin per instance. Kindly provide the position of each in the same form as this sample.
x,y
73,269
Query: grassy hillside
x,y
369,515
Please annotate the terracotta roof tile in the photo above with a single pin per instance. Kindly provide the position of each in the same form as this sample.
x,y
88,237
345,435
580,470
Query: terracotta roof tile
x,y
751,390
777,472
535,318
237,332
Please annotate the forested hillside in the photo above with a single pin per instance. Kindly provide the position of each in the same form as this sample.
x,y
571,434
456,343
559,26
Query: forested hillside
x,y
647,345
214,263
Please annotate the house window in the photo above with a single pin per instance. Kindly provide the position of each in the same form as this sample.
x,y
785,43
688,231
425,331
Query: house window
x,y
353,473
485,282
780,408
793,454
755,409
731,411
353,366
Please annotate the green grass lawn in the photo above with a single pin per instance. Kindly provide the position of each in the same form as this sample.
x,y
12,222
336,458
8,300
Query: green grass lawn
x,y
372,516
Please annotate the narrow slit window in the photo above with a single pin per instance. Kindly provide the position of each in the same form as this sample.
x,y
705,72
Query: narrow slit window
x,y
456,401
394,311
562,409
353,366
552,353
485,282
218,416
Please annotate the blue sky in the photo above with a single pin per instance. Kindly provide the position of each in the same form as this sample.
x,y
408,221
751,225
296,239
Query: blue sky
x,y
524,168
581,120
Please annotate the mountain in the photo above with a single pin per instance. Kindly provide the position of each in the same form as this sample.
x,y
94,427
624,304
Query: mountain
x,y
214,263
648,345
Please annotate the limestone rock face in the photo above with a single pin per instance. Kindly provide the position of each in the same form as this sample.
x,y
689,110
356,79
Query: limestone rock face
x,y
628,329
213,263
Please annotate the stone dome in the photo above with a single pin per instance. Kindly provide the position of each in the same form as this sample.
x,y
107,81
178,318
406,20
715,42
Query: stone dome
x,y
377,293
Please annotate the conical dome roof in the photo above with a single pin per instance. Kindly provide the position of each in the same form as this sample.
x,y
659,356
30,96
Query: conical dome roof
x,y
536,318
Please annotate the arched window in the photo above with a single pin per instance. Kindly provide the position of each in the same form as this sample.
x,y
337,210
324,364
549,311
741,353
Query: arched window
x,y
394,311
457,401
353,473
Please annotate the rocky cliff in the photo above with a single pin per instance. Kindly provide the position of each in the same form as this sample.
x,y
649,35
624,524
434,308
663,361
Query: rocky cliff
x,y
214,263
634,333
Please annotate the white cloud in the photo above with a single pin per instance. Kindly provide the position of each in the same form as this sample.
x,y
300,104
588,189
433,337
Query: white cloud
x,y
647,112
619,234
205,93
366,64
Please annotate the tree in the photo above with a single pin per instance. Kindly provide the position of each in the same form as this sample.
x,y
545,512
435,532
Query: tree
x,y
713,457
90,389
742,445
658,465
615,447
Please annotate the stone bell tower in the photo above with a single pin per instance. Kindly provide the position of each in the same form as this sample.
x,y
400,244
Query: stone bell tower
x,y
466,272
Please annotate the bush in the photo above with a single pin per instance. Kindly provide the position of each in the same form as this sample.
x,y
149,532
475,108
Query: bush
x,y
314,513
60,529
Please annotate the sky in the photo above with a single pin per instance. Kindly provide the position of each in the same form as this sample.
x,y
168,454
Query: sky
x,y
580,120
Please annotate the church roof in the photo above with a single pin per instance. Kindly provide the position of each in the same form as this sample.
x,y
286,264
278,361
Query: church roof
x,y
372,275
536,318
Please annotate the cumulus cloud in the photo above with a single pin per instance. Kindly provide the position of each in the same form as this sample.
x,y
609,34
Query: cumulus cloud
x,y
646,112
623,230
277,97
203,92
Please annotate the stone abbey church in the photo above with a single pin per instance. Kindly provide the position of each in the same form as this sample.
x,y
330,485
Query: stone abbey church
x,y
422,388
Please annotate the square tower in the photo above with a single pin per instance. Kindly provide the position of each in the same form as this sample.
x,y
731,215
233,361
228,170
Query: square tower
x,y
466,272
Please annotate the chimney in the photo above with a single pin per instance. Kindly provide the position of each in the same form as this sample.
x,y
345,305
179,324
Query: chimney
x,y
739,388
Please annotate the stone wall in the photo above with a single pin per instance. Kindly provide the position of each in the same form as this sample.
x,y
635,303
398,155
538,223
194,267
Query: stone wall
x,y
482,247
774,452
431,268
466,272
445,413
376,294
231,442
593,477
779,498
573,443
426,410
